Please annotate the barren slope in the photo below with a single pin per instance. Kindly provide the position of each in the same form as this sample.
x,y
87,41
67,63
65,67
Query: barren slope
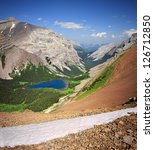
x,y
120,88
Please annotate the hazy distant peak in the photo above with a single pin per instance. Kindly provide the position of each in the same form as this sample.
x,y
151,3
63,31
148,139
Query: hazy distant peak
x,y
10,19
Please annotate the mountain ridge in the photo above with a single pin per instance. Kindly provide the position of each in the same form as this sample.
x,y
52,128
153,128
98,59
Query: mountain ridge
x,y
112,49
49,48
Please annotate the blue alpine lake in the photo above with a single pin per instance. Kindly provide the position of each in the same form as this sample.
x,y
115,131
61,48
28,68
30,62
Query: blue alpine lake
x,y
56,84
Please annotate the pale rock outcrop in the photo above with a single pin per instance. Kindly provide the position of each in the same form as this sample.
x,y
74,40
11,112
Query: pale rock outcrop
x,y
22,42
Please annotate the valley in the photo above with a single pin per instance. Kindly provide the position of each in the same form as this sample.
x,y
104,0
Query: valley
x,y
68,75
30,67
16,96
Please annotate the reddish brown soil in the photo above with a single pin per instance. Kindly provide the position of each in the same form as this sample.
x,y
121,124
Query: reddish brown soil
x,y
120,88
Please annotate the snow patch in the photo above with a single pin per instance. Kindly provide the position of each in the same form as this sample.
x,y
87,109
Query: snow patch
x,y
25,26
42,132
13,25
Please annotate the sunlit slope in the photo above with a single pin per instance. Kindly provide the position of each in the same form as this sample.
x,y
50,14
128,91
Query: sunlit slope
x,y
121,85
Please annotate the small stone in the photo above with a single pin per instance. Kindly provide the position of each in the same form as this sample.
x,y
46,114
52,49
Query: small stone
x,y
129,131
128,139
107,129
121,122
117,135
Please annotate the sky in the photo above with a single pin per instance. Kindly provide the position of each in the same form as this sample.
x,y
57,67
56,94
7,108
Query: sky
x,y
81,21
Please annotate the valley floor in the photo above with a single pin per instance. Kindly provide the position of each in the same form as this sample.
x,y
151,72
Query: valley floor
x,y
38,133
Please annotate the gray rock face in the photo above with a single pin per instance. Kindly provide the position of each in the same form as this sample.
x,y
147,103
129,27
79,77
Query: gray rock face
x,y
100,53
24,42
110,50
124,45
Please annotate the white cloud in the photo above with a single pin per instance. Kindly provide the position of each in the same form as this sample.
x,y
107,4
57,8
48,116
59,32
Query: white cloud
x,y
109,26
99,34
69,25
113,36
129,32
39,19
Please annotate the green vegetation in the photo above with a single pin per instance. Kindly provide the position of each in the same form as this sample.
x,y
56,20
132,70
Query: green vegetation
x,y
101,81
73,83
19,98
23,83
73,72
11,107
15,96
81,76
33,73
68,91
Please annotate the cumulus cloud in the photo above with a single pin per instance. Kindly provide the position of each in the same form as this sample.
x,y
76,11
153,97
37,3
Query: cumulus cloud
x,y
99,34
39,19
129,32
69,25
113,36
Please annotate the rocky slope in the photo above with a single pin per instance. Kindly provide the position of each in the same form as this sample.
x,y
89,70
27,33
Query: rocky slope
x,y
100,53
120,134
28,43
109,50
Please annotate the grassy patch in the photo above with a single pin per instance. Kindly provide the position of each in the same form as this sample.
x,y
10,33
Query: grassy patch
x,y
68,91
100,82
23,83
11,107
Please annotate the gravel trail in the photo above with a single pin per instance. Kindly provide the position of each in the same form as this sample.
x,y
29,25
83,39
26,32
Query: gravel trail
x,y
42,132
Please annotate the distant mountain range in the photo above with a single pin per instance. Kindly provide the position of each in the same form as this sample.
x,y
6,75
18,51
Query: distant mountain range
x,y
104,52
111,49
22,44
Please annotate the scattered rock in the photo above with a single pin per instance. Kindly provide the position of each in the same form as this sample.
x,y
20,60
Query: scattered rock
x,y
128,139
107,129
101,137
121,122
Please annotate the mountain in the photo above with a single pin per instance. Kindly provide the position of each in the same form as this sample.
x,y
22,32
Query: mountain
x,y
90,47
109,50
103,52
100,53
83,53
124,45
22,43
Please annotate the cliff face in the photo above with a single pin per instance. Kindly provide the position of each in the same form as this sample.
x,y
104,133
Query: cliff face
x,y
21,43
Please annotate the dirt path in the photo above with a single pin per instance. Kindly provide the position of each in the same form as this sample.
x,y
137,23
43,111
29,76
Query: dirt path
x,y
38,133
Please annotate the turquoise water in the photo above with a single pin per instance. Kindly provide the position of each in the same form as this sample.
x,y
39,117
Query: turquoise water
x,y
56,84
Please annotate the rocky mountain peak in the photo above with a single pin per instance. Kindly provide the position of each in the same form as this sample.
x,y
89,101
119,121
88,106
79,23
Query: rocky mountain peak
x,y
10,19
110,49
51,49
